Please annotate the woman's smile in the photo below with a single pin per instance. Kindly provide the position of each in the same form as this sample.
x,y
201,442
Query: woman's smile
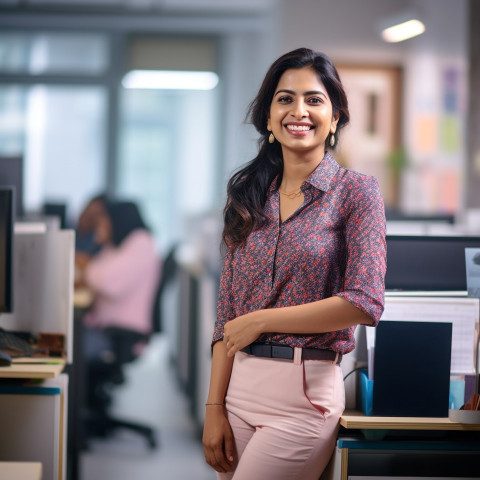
x,y
299,129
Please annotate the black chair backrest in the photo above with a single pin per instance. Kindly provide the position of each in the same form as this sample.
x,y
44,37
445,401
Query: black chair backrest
x,y
169,269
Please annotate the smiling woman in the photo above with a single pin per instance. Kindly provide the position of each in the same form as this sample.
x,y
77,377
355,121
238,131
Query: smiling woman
x,y
305,263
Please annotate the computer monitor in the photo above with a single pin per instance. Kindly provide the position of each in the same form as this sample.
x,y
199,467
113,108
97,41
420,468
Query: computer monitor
x,y
7,195
11,173
427,263
58,210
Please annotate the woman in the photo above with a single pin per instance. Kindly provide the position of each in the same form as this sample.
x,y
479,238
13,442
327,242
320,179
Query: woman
x,y
305,264
122,278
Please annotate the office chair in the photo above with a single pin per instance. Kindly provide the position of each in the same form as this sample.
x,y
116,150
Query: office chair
x,y
169,270
106,373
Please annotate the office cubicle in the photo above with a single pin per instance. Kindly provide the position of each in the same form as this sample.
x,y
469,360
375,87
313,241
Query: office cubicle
x,y
43,285
33,414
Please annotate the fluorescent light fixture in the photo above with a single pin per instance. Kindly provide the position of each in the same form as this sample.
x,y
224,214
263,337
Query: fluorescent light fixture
x,y
403,31
170,80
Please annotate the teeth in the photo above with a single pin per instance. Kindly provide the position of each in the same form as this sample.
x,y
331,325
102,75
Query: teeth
x,y
298,128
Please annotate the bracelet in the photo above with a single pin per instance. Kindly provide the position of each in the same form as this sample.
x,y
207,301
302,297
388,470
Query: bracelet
x,y
222,404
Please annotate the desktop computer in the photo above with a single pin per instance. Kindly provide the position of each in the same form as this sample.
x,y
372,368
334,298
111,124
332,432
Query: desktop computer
x,y
7,213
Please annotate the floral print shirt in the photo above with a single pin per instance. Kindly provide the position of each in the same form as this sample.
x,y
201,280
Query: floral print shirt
x,y
334,244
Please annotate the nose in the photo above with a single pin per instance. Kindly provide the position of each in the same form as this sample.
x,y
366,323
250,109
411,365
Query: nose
x,y
299,110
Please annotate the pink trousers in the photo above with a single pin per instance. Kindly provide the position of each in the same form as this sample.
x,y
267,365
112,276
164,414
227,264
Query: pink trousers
x,y
284,415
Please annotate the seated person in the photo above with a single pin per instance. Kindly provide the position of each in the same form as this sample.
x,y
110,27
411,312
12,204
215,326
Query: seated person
x,y
122,277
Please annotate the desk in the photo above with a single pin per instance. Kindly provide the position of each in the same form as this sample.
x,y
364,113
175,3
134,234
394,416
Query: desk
x,y
24,368
20,470
33,418
82,300
356,420
412,443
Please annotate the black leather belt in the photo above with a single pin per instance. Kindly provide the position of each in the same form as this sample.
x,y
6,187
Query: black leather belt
x,y
284,351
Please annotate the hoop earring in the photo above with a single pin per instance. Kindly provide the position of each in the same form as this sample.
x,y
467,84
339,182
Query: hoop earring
x,y
332,140
271,138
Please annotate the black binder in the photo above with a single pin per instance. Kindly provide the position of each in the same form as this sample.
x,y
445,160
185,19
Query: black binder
x,y
412,369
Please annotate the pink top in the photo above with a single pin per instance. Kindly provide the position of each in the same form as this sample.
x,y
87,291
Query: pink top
x,y
123,280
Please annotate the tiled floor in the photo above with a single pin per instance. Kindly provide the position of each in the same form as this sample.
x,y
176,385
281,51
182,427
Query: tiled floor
x,y
150,395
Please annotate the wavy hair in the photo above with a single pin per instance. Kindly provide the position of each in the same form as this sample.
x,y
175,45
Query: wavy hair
x,y
247,188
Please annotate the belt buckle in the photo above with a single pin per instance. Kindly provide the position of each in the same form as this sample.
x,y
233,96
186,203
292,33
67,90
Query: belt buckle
x,y
282,351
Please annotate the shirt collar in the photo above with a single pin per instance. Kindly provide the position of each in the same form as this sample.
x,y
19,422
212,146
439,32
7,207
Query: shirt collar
x,y
320,178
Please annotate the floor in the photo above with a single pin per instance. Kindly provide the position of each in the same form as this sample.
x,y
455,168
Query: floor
x,y
150,395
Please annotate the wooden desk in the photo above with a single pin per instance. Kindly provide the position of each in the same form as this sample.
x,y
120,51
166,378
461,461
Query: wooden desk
x,y
20,470
356,420
31,368
355,451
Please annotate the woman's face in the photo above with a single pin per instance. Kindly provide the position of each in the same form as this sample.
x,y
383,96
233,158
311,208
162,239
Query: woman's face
x,y
103,230
301,115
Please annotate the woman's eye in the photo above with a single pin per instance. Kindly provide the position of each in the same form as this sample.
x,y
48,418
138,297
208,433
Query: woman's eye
x,y
284,100
315,100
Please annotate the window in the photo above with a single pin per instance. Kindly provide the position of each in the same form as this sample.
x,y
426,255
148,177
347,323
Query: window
x,y
60,131
41,53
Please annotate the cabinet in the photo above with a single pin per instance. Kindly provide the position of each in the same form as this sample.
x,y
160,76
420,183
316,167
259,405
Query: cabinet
x,y
33,415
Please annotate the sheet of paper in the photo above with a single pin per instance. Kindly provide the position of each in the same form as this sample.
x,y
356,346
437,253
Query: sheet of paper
x,y
462,312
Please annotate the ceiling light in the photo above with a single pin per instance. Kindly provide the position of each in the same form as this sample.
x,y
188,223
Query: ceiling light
x,y
403,31
170,80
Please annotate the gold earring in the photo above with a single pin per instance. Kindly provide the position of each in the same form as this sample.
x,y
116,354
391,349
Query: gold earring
x,y
332,139
271,138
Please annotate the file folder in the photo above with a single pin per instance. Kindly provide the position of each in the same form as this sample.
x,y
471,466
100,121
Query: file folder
x,y
412,369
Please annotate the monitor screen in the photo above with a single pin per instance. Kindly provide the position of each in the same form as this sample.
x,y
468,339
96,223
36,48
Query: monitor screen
x,y
6,248
11,174
58,210
430,263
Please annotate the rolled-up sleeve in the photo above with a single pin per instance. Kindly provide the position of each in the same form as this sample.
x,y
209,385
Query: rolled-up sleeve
x,y
365,230
225,306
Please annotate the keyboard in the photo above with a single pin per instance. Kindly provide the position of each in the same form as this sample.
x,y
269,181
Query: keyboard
x,y
15,346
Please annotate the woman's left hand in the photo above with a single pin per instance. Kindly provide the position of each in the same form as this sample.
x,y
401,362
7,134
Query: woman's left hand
x,y
242,331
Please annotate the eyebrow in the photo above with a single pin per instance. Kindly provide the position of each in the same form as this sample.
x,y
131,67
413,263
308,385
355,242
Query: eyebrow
x,y
311,92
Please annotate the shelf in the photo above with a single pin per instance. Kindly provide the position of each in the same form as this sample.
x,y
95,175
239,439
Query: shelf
x,y
356,420
33,370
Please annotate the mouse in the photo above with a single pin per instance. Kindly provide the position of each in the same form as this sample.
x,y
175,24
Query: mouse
x,y
5,359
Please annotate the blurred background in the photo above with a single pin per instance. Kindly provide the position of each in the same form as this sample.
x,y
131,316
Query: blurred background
x,y
78,110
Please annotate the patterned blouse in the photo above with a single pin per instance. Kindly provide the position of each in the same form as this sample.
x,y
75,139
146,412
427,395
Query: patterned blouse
x,y
334,244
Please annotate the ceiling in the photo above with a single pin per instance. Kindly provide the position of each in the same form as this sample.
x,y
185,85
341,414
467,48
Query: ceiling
x,y
200,6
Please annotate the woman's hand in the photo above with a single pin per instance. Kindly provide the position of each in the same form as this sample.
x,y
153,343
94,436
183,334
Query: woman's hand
x,y
218,443
242,331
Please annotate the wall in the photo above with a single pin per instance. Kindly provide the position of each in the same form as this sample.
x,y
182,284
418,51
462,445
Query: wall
x,y
435,110
473,171
433,134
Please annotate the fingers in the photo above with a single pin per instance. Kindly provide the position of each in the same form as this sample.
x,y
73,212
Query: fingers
x,y
229,448
216,458
231,349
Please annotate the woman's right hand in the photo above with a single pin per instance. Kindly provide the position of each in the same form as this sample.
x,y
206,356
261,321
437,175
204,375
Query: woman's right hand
x,y
218,443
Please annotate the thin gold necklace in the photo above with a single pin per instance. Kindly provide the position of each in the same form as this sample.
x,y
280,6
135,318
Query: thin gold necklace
x,y
291,195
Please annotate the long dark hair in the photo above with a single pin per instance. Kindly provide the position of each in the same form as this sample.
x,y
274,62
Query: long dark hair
x,y
247,189
125,217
